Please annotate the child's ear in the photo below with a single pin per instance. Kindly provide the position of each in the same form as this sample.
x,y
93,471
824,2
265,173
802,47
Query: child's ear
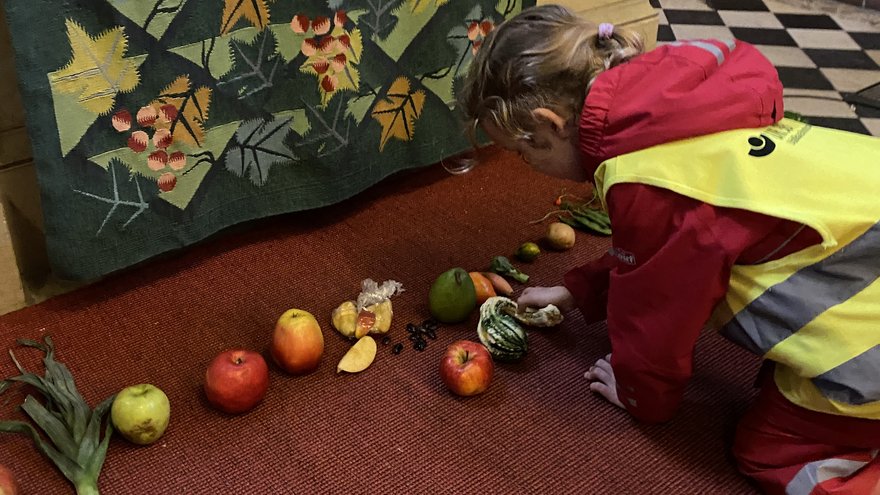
x,y
557,123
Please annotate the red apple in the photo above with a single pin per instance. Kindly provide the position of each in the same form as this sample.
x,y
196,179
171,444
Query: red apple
x,y
8,486
236,380
297,342
466,368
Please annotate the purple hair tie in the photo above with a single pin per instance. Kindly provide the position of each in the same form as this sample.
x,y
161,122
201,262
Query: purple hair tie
x,y
606,30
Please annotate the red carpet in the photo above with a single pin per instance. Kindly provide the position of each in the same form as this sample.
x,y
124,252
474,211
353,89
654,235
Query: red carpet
x,y
393,428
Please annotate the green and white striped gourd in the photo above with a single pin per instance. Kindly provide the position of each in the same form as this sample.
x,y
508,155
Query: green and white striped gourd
x,y
500,332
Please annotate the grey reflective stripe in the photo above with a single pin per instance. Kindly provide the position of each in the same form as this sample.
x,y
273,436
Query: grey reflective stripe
x,y
813,473
856,381
709,47
789,305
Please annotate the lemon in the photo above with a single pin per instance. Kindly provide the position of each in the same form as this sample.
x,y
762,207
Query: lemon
x,y
529,251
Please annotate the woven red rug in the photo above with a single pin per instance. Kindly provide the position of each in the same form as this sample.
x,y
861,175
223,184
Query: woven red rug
x,y
392,428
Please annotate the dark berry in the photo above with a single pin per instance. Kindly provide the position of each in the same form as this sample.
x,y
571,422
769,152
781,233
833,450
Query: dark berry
x,y
397,348
411,328
386,340
420,345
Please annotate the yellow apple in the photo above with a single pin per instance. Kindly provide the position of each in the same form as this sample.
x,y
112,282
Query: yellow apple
x,y
141,413
297,342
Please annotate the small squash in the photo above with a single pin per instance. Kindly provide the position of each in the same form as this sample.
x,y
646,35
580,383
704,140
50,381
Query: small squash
x,y
500,332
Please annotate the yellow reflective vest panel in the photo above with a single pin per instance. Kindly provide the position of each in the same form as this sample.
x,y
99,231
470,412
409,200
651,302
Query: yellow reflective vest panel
x,y
816,312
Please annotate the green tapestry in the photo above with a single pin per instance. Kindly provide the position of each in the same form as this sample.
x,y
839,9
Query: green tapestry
x,y
156,123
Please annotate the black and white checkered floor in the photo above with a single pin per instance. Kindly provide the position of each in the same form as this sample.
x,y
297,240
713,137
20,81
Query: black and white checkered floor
x,y
823,50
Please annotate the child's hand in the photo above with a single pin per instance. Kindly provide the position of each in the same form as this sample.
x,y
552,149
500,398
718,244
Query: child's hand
x,y
603,383
539,297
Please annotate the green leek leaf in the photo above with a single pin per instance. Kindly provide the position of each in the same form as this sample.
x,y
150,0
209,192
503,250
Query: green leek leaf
x,y
74,430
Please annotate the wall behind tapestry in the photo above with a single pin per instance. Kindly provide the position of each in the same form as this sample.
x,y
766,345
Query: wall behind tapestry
x,y
157,123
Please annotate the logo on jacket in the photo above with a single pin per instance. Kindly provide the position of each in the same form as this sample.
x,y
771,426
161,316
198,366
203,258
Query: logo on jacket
x,y
761,146
624,256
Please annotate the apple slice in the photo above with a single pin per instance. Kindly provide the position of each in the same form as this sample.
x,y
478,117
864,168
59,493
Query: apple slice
x,y
359,357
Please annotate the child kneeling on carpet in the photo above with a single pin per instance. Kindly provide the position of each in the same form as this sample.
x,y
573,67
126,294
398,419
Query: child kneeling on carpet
x,y
723,213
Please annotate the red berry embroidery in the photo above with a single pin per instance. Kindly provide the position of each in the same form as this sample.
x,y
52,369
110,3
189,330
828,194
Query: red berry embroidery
x,y
138,141
157,160
299,24
338,62
146,116
486,27
329,83
321,25
121,120
320,66
162,138
168,113
167,181
177,160
340,19
473,30
326,44
309,47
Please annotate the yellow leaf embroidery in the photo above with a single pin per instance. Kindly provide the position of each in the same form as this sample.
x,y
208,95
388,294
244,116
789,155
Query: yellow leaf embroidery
x,y
255,11
192,110
98,71
417,6
398,111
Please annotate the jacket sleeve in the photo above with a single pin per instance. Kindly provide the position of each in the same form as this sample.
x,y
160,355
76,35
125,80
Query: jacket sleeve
x,y
672,274
588,285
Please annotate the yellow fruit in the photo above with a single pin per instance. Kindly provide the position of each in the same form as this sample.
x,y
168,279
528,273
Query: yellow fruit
x,y
344,318
383,314
359,357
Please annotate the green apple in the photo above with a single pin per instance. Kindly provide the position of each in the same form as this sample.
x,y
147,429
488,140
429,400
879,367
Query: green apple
x,y
141,413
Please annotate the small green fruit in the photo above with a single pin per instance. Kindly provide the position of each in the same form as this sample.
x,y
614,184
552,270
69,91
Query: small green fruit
x,y
529,251
452,297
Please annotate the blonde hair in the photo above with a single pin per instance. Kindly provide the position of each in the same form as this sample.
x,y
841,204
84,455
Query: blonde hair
x,y
546,56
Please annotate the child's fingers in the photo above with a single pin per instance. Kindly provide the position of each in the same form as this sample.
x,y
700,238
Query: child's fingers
x,y
604,366
603,390
531,297
608,392
601,374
